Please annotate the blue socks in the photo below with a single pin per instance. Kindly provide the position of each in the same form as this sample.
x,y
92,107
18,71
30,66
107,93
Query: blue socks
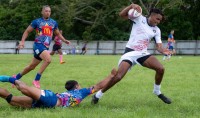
x,y
37,77
18,76
12,80
5,78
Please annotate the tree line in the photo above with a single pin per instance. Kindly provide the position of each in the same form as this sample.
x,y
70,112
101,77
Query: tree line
x,y
98,19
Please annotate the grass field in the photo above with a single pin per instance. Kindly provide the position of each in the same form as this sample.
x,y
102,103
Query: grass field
x,y
131,98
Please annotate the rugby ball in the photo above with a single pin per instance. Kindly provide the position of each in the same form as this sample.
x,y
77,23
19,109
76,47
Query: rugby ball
x,y
132,13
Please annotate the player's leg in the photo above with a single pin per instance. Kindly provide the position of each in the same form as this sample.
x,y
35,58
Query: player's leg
x,y
85,50
105,81
28,68
45,56
27,90
21,101
46,61
52,52
154,64
164,57
61,56
122,70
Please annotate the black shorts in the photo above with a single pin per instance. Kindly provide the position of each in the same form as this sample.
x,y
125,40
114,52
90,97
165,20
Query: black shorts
x,y
56,47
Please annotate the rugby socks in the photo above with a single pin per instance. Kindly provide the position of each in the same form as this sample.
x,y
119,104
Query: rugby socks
x,y
99,94
4,78
61,58
169,56
18,76
164,57
157,89
37,77
12,80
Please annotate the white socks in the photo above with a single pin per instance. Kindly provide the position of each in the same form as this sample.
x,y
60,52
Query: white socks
x,y
164,58
156,89
99,94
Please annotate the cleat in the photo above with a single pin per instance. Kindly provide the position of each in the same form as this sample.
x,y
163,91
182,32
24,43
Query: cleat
x,y
164,99
36,83
95,100
62,62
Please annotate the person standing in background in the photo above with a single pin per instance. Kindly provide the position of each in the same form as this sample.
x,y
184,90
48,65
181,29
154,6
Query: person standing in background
x,y
57,47
17,48
170,45
84,49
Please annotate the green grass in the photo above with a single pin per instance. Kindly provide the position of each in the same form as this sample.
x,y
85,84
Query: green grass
x,y
131,98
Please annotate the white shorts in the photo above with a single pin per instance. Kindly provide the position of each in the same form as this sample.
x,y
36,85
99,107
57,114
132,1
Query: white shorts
x,y
133,56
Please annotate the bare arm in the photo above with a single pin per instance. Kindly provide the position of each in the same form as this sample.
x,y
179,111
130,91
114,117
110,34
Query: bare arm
x,y
61,36
25,35
159,48
124,12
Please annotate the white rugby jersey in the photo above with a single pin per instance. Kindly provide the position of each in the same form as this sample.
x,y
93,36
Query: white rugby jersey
x,y
142,33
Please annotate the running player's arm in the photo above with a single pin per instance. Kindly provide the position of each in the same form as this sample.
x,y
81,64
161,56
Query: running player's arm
x,y
57,33
159,48
25,35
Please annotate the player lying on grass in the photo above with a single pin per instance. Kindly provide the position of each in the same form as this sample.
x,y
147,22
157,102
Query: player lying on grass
x,y
35,97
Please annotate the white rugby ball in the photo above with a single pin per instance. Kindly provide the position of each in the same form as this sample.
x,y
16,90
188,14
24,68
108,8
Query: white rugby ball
x,y
132,13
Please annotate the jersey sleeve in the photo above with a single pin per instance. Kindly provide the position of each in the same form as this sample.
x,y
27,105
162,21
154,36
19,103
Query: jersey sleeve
x,y
56,26
87,91
170,36
158,36
34,24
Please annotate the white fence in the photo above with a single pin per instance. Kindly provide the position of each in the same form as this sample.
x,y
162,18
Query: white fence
x,y
183,47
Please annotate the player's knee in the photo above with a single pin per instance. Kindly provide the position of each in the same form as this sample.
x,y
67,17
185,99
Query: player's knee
x,y
3,92
161,70
48,61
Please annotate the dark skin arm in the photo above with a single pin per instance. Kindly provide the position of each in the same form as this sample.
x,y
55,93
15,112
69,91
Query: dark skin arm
x,y
124,12
159,48
24,36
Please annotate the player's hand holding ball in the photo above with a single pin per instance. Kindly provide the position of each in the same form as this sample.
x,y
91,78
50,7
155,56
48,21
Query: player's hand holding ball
x,y
135,11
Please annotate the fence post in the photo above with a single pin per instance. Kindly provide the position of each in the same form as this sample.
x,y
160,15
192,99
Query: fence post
x,y
97,49
196,48
114,47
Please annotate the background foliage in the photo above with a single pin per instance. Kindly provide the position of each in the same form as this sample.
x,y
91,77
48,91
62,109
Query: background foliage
x,y
97,19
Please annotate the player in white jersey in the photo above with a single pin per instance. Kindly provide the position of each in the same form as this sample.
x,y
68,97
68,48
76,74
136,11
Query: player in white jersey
x,y
143,30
